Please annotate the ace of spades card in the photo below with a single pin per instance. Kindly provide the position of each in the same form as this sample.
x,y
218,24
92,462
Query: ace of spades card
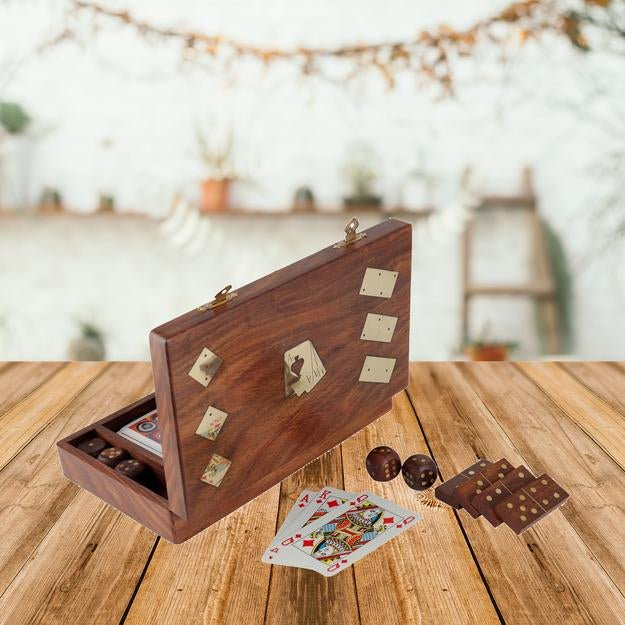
x,y
303,369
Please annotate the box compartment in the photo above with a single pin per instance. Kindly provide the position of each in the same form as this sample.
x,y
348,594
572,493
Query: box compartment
x,y
147,501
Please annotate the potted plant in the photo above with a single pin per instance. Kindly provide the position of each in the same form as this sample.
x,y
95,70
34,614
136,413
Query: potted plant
x,y
106,203
217,158
89,345
304,199
50,200
13,118
488,350
484,348
361,169
13,152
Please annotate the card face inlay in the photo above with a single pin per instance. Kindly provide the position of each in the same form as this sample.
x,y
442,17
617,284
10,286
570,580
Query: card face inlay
x,y
378,282
377,369
211,424
303,369
205,367
216,470
378,328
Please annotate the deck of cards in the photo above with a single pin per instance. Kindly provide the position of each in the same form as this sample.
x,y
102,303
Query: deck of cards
x,y
145,432
328,530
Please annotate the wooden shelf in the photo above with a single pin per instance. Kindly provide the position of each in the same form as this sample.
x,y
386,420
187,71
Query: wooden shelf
x,y
507,201
236,213
534,290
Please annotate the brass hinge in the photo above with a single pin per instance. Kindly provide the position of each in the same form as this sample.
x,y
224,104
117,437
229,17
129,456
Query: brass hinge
x,y
351,233
224,296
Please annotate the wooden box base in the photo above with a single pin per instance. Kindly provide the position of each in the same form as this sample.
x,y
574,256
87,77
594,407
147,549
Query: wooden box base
x,y
145,502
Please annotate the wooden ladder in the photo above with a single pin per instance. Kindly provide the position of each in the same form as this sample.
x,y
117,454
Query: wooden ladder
x,y
541,287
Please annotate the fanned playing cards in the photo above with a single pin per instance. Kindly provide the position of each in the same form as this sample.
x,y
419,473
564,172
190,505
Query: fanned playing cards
x,y
329,530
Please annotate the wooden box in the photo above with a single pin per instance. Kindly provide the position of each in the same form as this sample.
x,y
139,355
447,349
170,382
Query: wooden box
x,y
351,301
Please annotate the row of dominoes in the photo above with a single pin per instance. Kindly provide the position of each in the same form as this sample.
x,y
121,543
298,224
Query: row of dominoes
x,y
502,494
378,328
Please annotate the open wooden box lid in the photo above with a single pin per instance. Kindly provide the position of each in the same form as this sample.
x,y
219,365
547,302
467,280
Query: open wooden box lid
x,y
350,301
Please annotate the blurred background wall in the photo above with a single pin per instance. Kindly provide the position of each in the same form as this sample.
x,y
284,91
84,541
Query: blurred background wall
x,y
104,230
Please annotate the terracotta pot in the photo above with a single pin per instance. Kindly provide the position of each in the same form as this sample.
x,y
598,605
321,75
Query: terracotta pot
x,y
480,353
215,195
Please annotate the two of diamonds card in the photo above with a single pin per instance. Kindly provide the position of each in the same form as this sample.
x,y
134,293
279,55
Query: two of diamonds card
x,y
335,529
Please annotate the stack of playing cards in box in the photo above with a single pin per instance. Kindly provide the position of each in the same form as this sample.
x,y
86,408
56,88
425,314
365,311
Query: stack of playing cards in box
x,y
328,530
145,432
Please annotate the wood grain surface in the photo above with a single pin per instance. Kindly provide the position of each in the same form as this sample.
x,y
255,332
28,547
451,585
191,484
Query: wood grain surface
x,y
268,436
66,557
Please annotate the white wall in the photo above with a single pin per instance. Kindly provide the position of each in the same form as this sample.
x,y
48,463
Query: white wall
x,y
118,117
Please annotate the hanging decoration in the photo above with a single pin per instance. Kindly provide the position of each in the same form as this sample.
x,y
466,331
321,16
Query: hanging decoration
x,y
430,55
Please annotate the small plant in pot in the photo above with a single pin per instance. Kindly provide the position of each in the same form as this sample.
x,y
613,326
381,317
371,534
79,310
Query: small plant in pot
x,y
106,203
486,349
361,170
216,155
89,345
51,200
13,118
303,199
14,122
479,351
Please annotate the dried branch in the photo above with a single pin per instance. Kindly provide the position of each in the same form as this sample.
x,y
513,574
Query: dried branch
x,y
430,54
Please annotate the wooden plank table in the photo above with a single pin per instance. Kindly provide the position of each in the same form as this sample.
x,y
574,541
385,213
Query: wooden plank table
x,y
65,557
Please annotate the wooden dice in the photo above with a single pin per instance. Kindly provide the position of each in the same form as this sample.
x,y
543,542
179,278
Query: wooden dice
x,y
111,456
92,446
419,472
131,468
383,464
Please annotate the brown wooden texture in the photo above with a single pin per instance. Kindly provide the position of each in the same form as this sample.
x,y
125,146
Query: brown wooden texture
x,y
268,436
605,379
21,378
65,540
303,596
66,557
33,492
28,417
594,415
563,582
427,573
552,443
216,578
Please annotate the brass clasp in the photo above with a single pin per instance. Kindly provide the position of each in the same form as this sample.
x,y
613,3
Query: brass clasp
x,y
225,295
351,233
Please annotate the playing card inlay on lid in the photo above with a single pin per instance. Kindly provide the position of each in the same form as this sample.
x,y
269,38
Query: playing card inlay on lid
x,y
378,328
216,470
303,369
377,369
212,422
205,367
378,282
